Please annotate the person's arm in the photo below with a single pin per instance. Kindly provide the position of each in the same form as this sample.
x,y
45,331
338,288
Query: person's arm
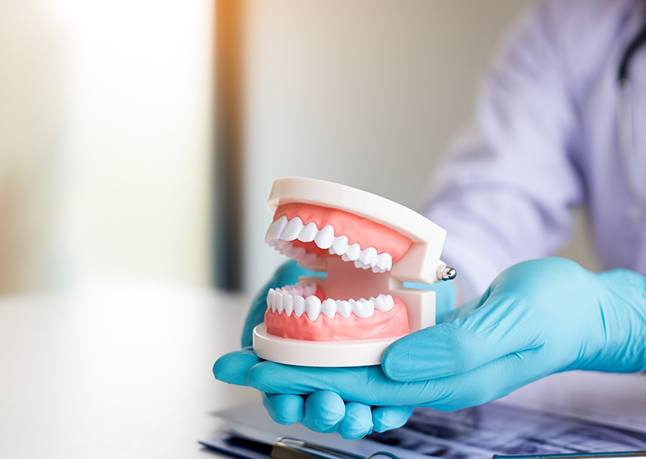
x,y
506,189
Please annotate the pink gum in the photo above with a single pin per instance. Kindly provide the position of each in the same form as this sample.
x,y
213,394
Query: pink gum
x,y
357,229
381,325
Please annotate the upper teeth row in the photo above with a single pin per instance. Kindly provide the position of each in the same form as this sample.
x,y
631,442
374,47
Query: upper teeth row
x,y
294,229
292,251
297,301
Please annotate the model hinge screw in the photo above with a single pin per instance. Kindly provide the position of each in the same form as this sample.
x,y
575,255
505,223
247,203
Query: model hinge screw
x,y
447,273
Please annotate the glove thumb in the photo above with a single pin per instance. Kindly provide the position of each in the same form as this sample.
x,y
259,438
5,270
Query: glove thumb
x,y
453,347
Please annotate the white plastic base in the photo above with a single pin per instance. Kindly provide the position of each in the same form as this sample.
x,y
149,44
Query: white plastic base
x,y
318,353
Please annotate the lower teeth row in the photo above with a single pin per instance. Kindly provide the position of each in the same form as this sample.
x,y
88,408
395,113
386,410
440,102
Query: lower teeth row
x,y
290,300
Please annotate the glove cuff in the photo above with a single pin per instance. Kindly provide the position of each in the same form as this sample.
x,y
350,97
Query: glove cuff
x,y
623,306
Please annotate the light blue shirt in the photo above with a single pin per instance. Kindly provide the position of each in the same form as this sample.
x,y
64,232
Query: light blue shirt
x,y
544,140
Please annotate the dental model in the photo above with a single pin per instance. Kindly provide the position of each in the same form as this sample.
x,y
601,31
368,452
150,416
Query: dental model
x,y
368,245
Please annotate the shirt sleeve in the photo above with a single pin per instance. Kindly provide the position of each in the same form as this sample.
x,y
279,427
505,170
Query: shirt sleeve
x,y
506,189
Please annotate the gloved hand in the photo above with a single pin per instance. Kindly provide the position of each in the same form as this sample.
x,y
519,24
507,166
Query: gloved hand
x,y
323,406
321,411
289,409
537,318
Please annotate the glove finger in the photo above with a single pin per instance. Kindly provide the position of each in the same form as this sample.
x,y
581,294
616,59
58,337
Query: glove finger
x,y
275,378
386,418
323,411
233,367
357,422
284,409
458,313
367,385
489,382
493,330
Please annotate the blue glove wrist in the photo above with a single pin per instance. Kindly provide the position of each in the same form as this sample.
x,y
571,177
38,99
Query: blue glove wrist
x,y
622,306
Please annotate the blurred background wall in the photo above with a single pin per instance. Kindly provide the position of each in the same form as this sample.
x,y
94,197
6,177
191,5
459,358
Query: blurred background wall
x,y
107,140
31,93
365,92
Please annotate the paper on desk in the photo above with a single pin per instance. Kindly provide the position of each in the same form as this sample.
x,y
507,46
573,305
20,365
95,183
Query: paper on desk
x,y
610,415
251,421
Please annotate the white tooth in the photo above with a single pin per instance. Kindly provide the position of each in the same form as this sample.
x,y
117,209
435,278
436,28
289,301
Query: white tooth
x,y
359,265
340,245
299,305
363,308
278,301
370,307
329,308
308,233
369,256
390,302
325,237
292,229
353,252
312,307
288,304
274,300
384,302
270,298
377,270
276,228
384,261
344,308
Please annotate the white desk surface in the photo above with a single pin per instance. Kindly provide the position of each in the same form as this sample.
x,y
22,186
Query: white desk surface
x,y
116,372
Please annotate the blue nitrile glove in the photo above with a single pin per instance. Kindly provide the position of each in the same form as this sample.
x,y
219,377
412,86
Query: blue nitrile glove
x,y
321,411
324,408
537,318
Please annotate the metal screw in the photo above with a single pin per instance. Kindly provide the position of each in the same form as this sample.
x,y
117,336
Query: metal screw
x,y
447,273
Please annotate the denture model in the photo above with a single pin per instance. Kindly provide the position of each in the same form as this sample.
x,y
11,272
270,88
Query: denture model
x,y
369,246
